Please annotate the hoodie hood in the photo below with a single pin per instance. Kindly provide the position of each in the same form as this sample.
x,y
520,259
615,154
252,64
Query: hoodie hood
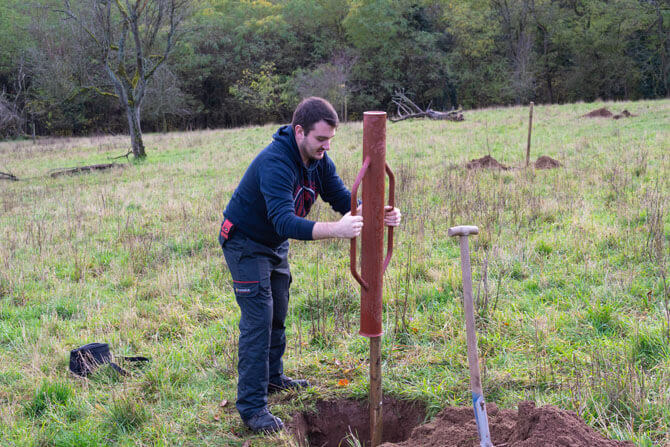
x,y
286,137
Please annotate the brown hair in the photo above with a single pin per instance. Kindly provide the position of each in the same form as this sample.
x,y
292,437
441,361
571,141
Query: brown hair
x,y
312,110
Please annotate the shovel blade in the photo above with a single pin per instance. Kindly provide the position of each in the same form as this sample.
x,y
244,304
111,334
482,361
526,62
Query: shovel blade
x,y
482,420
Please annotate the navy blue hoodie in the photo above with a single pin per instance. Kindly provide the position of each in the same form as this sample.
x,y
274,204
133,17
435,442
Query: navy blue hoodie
x,y
277,191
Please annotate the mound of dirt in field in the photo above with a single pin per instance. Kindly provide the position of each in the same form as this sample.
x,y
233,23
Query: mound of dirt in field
x,y
334,420
604,113
599,113
486,162
546,426
545,162
624,114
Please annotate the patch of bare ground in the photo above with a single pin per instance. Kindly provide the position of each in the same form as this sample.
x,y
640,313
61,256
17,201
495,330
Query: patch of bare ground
x,y
546,162
486,162
335,420
547,426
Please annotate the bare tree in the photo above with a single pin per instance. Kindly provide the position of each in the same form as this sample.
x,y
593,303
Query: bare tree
x,y
134,38
11,122
13,105
663,42
165,98
329,80
515,20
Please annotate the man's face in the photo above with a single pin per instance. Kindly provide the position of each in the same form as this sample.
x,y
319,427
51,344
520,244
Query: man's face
x,y
313,145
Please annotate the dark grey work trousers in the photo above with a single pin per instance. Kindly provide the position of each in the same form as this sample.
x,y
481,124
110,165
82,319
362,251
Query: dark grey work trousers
x,y
261,279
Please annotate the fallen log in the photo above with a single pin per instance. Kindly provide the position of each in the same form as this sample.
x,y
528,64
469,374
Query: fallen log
x,y
8,176
453,115
407,109
85,169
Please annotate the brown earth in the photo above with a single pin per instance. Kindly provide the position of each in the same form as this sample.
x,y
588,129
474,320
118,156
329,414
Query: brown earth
x,y
599,113
624,114
604,113
486,162
547,426
545,162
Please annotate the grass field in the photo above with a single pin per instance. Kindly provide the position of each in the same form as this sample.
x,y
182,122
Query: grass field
x,y
571,272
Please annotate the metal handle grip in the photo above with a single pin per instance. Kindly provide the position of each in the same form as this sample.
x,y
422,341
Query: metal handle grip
x,y
389,249
354,208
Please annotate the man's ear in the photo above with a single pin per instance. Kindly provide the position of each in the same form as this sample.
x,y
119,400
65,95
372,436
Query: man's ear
x,y
299,133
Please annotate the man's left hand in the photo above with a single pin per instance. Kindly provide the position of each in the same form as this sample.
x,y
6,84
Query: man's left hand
x,y
392,216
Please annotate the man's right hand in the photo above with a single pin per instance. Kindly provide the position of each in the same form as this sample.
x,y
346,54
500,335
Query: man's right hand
x,y
346,228
349,226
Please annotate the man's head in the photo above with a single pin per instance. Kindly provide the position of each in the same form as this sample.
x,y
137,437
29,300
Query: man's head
x,y
312,110
314,123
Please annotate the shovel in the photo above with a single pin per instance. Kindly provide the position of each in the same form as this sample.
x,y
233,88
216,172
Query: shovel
x,y
473,359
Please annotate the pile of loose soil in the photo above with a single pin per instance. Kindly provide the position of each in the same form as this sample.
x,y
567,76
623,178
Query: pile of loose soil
x,y
486,162
624,114
547,426
332,422
599,113
545,162
604,113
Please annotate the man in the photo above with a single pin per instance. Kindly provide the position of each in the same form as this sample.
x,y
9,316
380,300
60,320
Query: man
x,y
267,208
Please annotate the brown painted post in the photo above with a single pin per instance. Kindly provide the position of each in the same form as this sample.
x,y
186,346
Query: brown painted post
x,y
373,264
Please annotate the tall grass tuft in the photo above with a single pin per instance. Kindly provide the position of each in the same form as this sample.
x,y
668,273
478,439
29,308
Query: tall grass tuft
x,y
604,320
624,393
48,394
126,414
649,348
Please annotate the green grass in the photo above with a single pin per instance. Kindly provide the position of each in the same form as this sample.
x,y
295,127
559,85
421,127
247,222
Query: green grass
x,y
573,311
49,394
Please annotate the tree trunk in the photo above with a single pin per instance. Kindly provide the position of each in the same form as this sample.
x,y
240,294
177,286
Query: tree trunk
x,y
550,87
665,67
133,114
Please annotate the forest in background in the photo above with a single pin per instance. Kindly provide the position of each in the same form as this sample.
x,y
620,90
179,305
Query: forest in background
x,y
246,62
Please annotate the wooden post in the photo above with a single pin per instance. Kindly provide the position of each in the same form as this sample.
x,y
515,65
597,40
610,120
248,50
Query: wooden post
x,y
375,391
530,128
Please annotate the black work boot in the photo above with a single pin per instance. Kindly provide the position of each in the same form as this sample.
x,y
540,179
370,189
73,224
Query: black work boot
x,y
286,383
264,422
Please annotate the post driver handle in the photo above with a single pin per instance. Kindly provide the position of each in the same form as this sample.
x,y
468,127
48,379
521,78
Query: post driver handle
x,y
389,248
354,208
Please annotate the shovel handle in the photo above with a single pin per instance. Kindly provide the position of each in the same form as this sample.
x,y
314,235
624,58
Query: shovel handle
x,y
354,208
478,402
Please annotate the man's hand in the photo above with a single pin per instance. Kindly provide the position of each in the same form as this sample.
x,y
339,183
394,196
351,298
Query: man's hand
x,y
346,228
392,216
349,226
